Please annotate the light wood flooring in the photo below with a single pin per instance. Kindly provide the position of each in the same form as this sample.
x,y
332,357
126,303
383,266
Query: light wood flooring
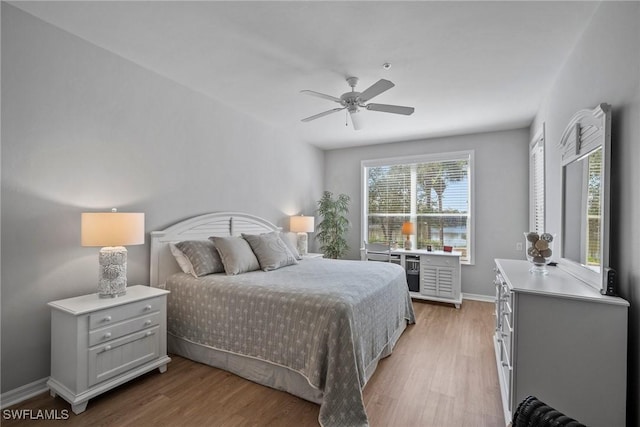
x,y
441,373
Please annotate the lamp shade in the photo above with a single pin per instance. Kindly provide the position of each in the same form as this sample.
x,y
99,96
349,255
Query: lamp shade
x,y
112,229
408,228
301,224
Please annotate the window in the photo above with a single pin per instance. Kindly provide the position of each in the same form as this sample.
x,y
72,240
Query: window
x,y
536,184
432,191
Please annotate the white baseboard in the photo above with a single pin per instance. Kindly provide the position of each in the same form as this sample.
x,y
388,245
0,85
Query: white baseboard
x,y
22,393
479,297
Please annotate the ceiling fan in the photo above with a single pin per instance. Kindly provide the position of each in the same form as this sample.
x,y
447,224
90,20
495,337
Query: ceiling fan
x,y
353,101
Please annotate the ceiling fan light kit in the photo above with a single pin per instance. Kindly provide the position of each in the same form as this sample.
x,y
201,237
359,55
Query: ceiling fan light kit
x,y
353,101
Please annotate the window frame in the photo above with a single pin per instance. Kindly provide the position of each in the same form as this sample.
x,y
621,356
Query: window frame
x,y
468,155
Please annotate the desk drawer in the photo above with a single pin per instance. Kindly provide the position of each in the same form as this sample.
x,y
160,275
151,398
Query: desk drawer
x,y
119,313
439,261
121,329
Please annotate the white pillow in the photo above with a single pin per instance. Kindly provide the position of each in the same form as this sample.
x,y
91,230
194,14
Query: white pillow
x,y
181,259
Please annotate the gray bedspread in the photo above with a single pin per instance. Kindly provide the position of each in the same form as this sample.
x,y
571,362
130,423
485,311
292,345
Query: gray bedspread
x,y
326,319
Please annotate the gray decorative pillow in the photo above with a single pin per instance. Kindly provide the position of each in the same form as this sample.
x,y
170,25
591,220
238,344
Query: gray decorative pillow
x,y
202,255
182,260
271,251
291,240
236,254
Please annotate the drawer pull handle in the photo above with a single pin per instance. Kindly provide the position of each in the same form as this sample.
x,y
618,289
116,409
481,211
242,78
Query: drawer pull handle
x,y
107,348
149,333
107,319
107,335
147,323
147,307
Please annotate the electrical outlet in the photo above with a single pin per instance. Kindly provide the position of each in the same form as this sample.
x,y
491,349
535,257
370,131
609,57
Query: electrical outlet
x,y
519,246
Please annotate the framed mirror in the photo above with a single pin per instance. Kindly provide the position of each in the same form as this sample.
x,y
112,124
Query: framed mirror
x,y
586,150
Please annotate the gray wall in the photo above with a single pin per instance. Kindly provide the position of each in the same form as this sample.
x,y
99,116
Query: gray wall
x,y
605,67
82,130
501,193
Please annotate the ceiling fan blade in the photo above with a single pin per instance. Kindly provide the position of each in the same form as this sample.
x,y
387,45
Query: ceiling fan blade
x,y
321,95
396,109
355,120
375,89
326,113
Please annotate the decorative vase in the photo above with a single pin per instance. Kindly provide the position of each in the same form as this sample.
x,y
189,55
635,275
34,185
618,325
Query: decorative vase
x,y
539,251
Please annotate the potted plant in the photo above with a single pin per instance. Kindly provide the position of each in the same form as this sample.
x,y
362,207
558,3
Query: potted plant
x,y
334,224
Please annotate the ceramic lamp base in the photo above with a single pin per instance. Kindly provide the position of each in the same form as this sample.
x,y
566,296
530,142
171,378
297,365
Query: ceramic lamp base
x,y
303,243
113,272
407,244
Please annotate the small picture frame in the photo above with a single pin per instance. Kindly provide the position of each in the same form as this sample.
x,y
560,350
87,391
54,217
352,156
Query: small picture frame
x,y
429,248
447,248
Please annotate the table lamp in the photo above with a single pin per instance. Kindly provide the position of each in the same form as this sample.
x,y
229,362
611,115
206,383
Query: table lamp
x,y
302,225
112,230
408,228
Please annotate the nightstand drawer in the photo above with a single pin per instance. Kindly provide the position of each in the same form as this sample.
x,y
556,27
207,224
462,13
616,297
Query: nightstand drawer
x,y
121,329
116,314
118,356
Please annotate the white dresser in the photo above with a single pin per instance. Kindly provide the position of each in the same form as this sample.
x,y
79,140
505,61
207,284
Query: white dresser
x,y
98,344
560,340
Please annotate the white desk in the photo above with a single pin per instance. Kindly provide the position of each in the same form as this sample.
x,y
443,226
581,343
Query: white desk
x,y
439,274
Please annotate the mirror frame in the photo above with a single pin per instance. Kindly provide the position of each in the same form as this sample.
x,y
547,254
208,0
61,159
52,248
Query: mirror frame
x,y
588,130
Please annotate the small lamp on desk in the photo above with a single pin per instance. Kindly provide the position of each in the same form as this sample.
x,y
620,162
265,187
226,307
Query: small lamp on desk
x,y
112,230
408,229
302,225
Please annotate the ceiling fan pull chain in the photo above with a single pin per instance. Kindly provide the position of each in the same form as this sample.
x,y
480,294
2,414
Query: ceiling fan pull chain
x,y
346,116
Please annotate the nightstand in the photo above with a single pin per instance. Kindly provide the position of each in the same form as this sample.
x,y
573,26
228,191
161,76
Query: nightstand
x,y
98,344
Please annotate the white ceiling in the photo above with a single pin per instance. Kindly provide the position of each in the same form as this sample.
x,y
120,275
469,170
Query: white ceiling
x,y
465,66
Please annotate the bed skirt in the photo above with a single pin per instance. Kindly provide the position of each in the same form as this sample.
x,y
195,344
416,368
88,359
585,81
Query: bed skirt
x,y
262,372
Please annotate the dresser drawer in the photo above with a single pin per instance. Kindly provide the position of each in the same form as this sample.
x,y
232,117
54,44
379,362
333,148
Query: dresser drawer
x,y
439,261
117,314
121,329
121,355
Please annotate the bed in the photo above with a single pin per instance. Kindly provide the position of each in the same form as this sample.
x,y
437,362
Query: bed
x,y
316,328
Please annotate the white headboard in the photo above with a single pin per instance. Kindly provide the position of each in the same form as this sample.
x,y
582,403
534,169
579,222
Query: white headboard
x,y
163,264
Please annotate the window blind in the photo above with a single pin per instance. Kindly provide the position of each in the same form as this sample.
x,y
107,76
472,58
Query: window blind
x,y
536,167
433,194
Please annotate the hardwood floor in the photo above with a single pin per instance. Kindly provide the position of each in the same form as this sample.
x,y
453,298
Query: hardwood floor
x,y
442,373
